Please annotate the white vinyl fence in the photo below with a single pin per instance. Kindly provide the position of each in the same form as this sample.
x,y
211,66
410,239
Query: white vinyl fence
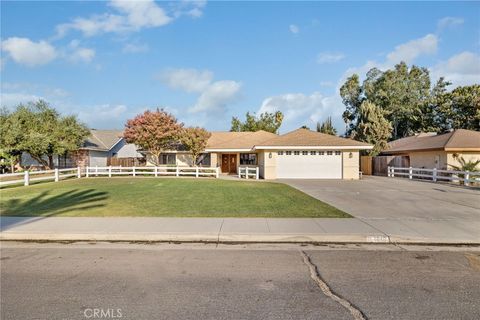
x,y
30,176
248,172
152,171
58,174
435,175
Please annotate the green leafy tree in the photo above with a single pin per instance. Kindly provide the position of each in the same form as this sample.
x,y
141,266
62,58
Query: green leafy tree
x,y
327,127
195,140
11,136
372,127
266,121
154,131
407,100
461,108
41,131
305,127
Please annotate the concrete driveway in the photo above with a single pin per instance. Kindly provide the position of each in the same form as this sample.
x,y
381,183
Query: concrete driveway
x,y
401,205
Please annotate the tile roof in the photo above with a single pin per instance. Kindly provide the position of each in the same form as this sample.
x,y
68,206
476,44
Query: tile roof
x,y
308,138
102,140
237,140
456,140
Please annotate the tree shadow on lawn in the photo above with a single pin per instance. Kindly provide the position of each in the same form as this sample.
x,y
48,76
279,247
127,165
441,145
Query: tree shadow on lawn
x,y
43,206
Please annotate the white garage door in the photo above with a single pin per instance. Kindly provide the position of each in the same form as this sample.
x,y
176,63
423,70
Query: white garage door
x,y
293,164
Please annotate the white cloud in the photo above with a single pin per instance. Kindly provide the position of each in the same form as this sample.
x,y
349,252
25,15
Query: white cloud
x,y
130,16
27,52
294,28
189,80
460,69
135,48
213,95
217,96
192,8
407,52
140,14
411,50
302,109
329,57
13,99
447,22
76,53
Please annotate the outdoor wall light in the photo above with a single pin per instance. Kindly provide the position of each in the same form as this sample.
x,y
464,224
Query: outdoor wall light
x,y
270,155
350,155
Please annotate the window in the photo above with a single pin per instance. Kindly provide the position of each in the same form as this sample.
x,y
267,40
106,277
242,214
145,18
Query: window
x,y
168,158
297,153
312,153
337,153
280,153
321,153
204,160
248,158
329,153
305,153
288,153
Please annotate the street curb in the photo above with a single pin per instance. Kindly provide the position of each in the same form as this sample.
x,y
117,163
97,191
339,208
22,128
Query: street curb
x,y
229,238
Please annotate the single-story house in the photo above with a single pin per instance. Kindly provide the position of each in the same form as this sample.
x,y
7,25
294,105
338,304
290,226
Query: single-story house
x,y
300,154
441,151
100,148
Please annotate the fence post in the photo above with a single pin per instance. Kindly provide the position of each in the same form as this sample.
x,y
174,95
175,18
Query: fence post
x,y
109,171
239,172
434,175
216,172
57,176
196,172
26,178
86,171
246,172
466,178
134,173
79,172
156,171
256,173
410,173
96,171
177,172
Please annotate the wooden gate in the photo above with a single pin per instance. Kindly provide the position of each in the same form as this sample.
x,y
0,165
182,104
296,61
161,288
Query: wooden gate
x,y
366,165
125,162
381,163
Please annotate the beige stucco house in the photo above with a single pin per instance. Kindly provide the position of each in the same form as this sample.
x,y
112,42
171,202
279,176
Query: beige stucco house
x,y
441,151
300,154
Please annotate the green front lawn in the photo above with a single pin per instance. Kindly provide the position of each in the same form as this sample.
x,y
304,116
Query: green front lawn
x,y
162,197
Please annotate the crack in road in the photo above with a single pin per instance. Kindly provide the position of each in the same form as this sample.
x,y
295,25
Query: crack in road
x,y
314,274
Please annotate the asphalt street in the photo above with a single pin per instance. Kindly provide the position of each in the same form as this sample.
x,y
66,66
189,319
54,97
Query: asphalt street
x,y
167,281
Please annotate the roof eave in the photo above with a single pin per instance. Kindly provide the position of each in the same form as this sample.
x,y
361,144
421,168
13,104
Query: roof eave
x,y
313,147
228,150
462,149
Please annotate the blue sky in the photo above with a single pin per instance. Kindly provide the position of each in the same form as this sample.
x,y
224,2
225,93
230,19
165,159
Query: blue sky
x,y
206,62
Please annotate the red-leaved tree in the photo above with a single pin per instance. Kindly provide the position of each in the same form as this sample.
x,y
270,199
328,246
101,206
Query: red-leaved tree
x,y
195,140
154,131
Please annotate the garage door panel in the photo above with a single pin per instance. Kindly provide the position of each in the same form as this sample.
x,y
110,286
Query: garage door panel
x,y
309,166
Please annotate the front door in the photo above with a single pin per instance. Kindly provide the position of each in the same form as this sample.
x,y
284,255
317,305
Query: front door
x,y
229,163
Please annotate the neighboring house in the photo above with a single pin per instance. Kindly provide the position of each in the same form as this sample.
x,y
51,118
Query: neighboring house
x,y
99,149
441,151
300,154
